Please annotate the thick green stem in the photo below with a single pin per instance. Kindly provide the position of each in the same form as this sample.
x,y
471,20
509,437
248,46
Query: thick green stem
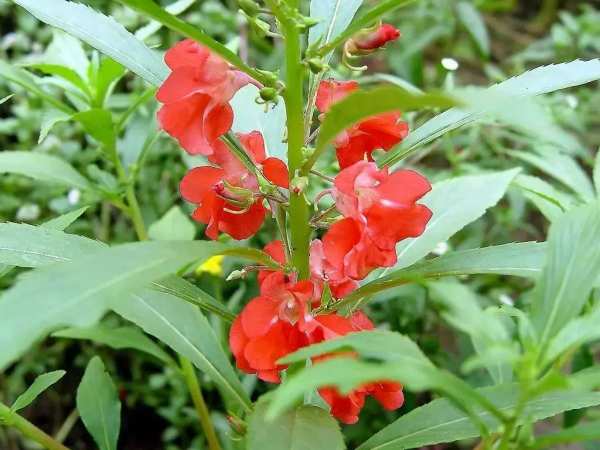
x,y
203,413
299,213
28,429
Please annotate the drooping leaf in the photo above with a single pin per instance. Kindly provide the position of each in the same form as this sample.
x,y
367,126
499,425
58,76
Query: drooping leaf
x,y
79,292
475,25
439,421
101,32
118,338
538,81
99,406
173,226
366,103
42,167
334,16
551,201
191,293
571,270
455,203
183,328
25,245
304,428
39,385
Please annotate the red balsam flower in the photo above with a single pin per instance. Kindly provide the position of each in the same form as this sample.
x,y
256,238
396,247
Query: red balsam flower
x,y
228,197
346,408
196,95
270,327
374,39
358,142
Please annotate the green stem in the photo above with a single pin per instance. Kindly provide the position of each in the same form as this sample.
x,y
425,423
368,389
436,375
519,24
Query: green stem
x,y
191,380
28,429
299,212
363,21
136,213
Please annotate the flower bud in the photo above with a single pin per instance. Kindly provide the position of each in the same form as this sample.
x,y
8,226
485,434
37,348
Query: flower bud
x,y
298,185
268,94
371,39
316,65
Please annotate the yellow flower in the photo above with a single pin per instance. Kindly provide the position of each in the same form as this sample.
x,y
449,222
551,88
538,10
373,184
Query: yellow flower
x,y
213,266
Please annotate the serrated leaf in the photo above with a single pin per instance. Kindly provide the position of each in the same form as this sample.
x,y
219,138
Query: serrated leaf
x,y
42,167
524,259
78,293
455,203
366,103
25,245
334,16
101,32
304,428
118,338
173,226
185,329
439,421
99,406
39,385
571,271
538,81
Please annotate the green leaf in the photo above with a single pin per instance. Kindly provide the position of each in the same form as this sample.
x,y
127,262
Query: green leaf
x,y
153,26
61,223
597,173
551,201
99,406
577,332
67,51
42,167
7,98
562,167
78,293
65,73
31,84
183,328
588,431
174,225
98,123
523,259
102,33
538,81
304,428
189,292
25,245
109,73
367,103
440,421
334,16
571,270
40,384
250,116
455,203
50,118
475,25
118,338
461,309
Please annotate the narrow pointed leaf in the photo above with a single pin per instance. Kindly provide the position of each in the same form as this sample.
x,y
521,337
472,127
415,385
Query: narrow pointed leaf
x,y
40,384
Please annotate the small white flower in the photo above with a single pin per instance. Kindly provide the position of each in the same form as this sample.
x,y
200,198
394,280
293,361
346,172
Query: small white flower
x,y
506,300
440,248
28,212
74,196
450,64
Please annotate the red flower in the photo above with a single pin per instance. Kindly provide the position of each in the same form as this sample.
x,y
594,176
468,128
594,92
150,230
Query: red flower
x,y
346,408
196,96
325,270
276,251
228,197
382,131
270,327
373,39
384,203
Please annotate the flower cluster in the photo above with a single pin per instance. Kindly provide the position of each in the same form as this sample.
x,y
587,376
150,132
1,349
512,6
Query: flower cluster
x,y
376,209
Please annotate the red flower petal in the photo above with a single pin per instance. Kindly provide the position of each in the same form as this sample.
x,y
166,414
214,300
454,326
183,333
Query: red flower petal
x,y
332,91
198,182
276,172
